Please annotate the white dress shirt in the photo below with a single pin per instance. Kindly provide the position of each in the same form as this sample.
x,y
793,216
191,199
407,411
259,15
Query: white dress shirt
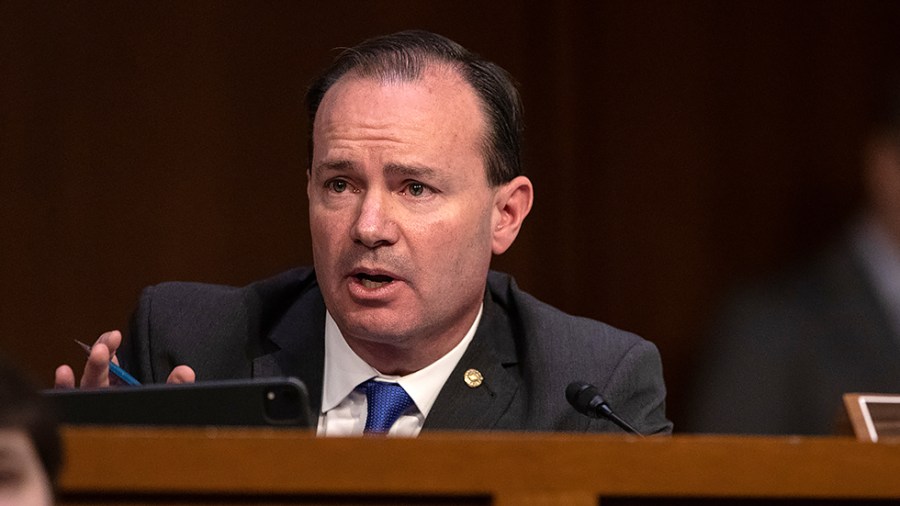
x,y
344,404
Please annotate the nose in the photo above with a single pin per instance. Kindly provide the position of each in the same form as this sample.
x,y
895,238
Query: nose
x,y
375,225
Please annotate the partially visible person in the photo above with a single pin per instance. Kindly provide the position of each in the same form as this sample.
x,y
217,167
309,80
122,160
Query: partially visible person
x,y
785,351
30,455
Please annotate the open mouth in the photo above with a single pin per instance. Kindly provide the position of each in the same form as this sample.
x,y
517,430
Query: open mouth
x,y
373,280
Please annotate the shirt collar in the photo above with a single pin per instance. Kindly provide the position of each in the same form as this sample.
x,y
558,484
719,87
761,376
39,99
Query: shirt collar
x,y
345,370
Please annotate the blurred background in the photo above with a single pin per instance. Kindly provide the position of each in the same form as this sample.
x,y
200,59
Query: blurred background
x,y
677,149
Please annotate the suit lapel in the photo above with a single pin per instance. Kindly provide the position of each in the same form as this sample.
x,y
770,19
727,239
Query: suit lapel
x,y
294,345
461,405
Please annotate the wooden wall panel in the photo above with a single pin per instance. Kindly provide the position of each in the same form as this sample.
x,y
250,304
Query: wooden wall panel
x,y
675,147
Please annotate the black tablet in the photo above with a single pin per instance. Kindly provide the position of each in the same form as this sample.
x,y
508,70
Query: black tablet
x,y
248,402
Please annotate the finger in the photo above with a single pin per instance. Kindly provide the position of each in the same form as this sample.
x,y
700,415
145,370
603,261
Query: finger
x,y
181,374
96,370
112,340
64,377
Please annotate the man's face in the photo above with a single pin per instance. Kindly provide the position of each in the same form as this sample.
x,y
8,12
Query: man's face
x,y
23,481
400,209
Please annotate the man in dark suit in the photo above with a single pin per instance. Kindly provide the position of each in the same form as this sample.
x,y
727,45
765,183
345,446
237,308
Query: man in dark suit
x,y
784,351
415,181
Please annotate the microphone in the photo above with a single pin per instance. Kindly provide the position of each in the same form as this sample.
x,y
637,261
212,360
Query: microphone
x,y
586,399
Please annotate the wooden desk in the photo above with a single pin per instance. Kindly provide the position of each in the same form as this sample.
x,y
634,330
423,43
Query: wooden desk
x,y
266,466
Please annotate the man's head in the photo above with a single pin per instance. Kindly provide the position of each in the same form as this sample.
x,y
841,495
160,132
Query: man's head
x,y
405,55
410,195
882,164
29,443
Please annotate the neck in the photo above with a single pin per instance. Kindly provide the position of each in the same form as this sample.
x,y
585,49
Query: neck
x,y
395,360
402,355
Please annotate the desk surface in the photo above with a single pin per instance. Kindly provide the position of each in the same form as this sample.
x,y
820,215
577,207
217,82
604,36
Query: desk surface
x,y
507,468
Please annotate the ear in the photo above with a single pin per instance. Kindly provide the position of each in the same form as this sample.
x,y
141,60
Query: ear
x,y
512,202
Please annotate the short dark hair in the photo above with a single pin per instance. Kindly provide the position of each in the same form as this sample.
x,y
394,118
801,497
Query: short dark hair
x,y
405,55
23,408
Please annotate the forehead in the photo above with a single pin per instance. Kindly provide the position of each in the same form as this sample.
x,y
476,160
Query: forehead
x,y
15,445
438,108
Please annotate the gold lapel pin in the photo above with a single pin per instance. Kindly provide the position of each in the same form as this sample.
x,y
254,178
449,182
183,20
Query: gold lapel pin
x,y
473,378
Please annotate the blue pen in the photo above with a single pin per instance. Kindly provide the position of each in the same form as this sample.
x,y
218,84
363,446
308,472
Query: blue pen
x,y
113,368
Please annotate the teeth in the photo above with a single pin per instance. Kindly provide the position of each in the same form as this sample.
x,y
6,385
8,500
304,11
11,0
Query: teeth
x,y
368,283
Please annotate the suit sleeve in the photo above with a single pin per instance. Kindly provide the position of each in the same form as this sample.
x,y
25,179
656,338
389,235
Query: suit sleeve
x,y
636,390
134,353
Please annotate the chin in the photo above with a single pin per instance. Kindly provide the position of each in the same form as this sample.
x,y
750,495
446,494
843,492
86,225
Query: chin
x,y
377,325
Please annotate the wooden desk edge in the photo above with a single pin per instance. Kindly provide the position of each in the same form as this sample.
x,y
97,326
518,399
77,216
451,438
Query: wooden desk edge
x,y
275,461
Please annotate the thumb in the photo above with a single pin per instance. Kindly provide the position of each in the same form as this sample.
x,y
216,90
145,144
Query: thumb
x,y
181,374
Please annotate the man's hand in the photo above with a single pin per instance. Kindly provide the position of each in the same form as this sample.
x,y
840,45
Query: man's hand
x,y
181,374
96,369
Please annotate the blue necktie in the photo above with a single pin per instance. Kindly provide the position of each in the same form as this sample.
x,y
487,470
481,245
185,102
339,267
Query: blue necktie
x,y
386,402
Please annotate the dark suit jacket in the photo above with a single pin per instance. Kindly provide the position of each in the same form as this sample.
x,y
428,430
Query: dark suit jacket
x,y
527,351
785,351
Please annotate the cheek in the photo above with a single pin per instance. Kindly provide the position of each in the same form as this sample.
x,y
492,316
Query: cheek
x,y
461,244
325,226
324,232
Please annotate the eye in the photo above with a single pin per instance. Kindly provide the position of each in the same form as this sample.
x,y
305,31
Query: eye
x,y
416,189
10,477
337,185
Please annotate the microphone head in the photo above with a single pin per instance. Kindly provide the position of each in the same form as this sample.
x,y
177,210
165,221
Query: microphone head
x,y
587,400
584,397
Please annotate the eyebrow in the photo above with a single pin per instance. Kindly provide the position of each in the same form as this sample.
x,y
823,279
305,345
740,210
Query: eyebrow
x,y
392,169
334,165
415,171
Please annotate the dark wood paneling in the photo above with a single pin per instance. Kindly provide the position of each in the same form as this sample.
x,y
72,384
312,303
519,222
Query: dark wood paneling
x,y
675,147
